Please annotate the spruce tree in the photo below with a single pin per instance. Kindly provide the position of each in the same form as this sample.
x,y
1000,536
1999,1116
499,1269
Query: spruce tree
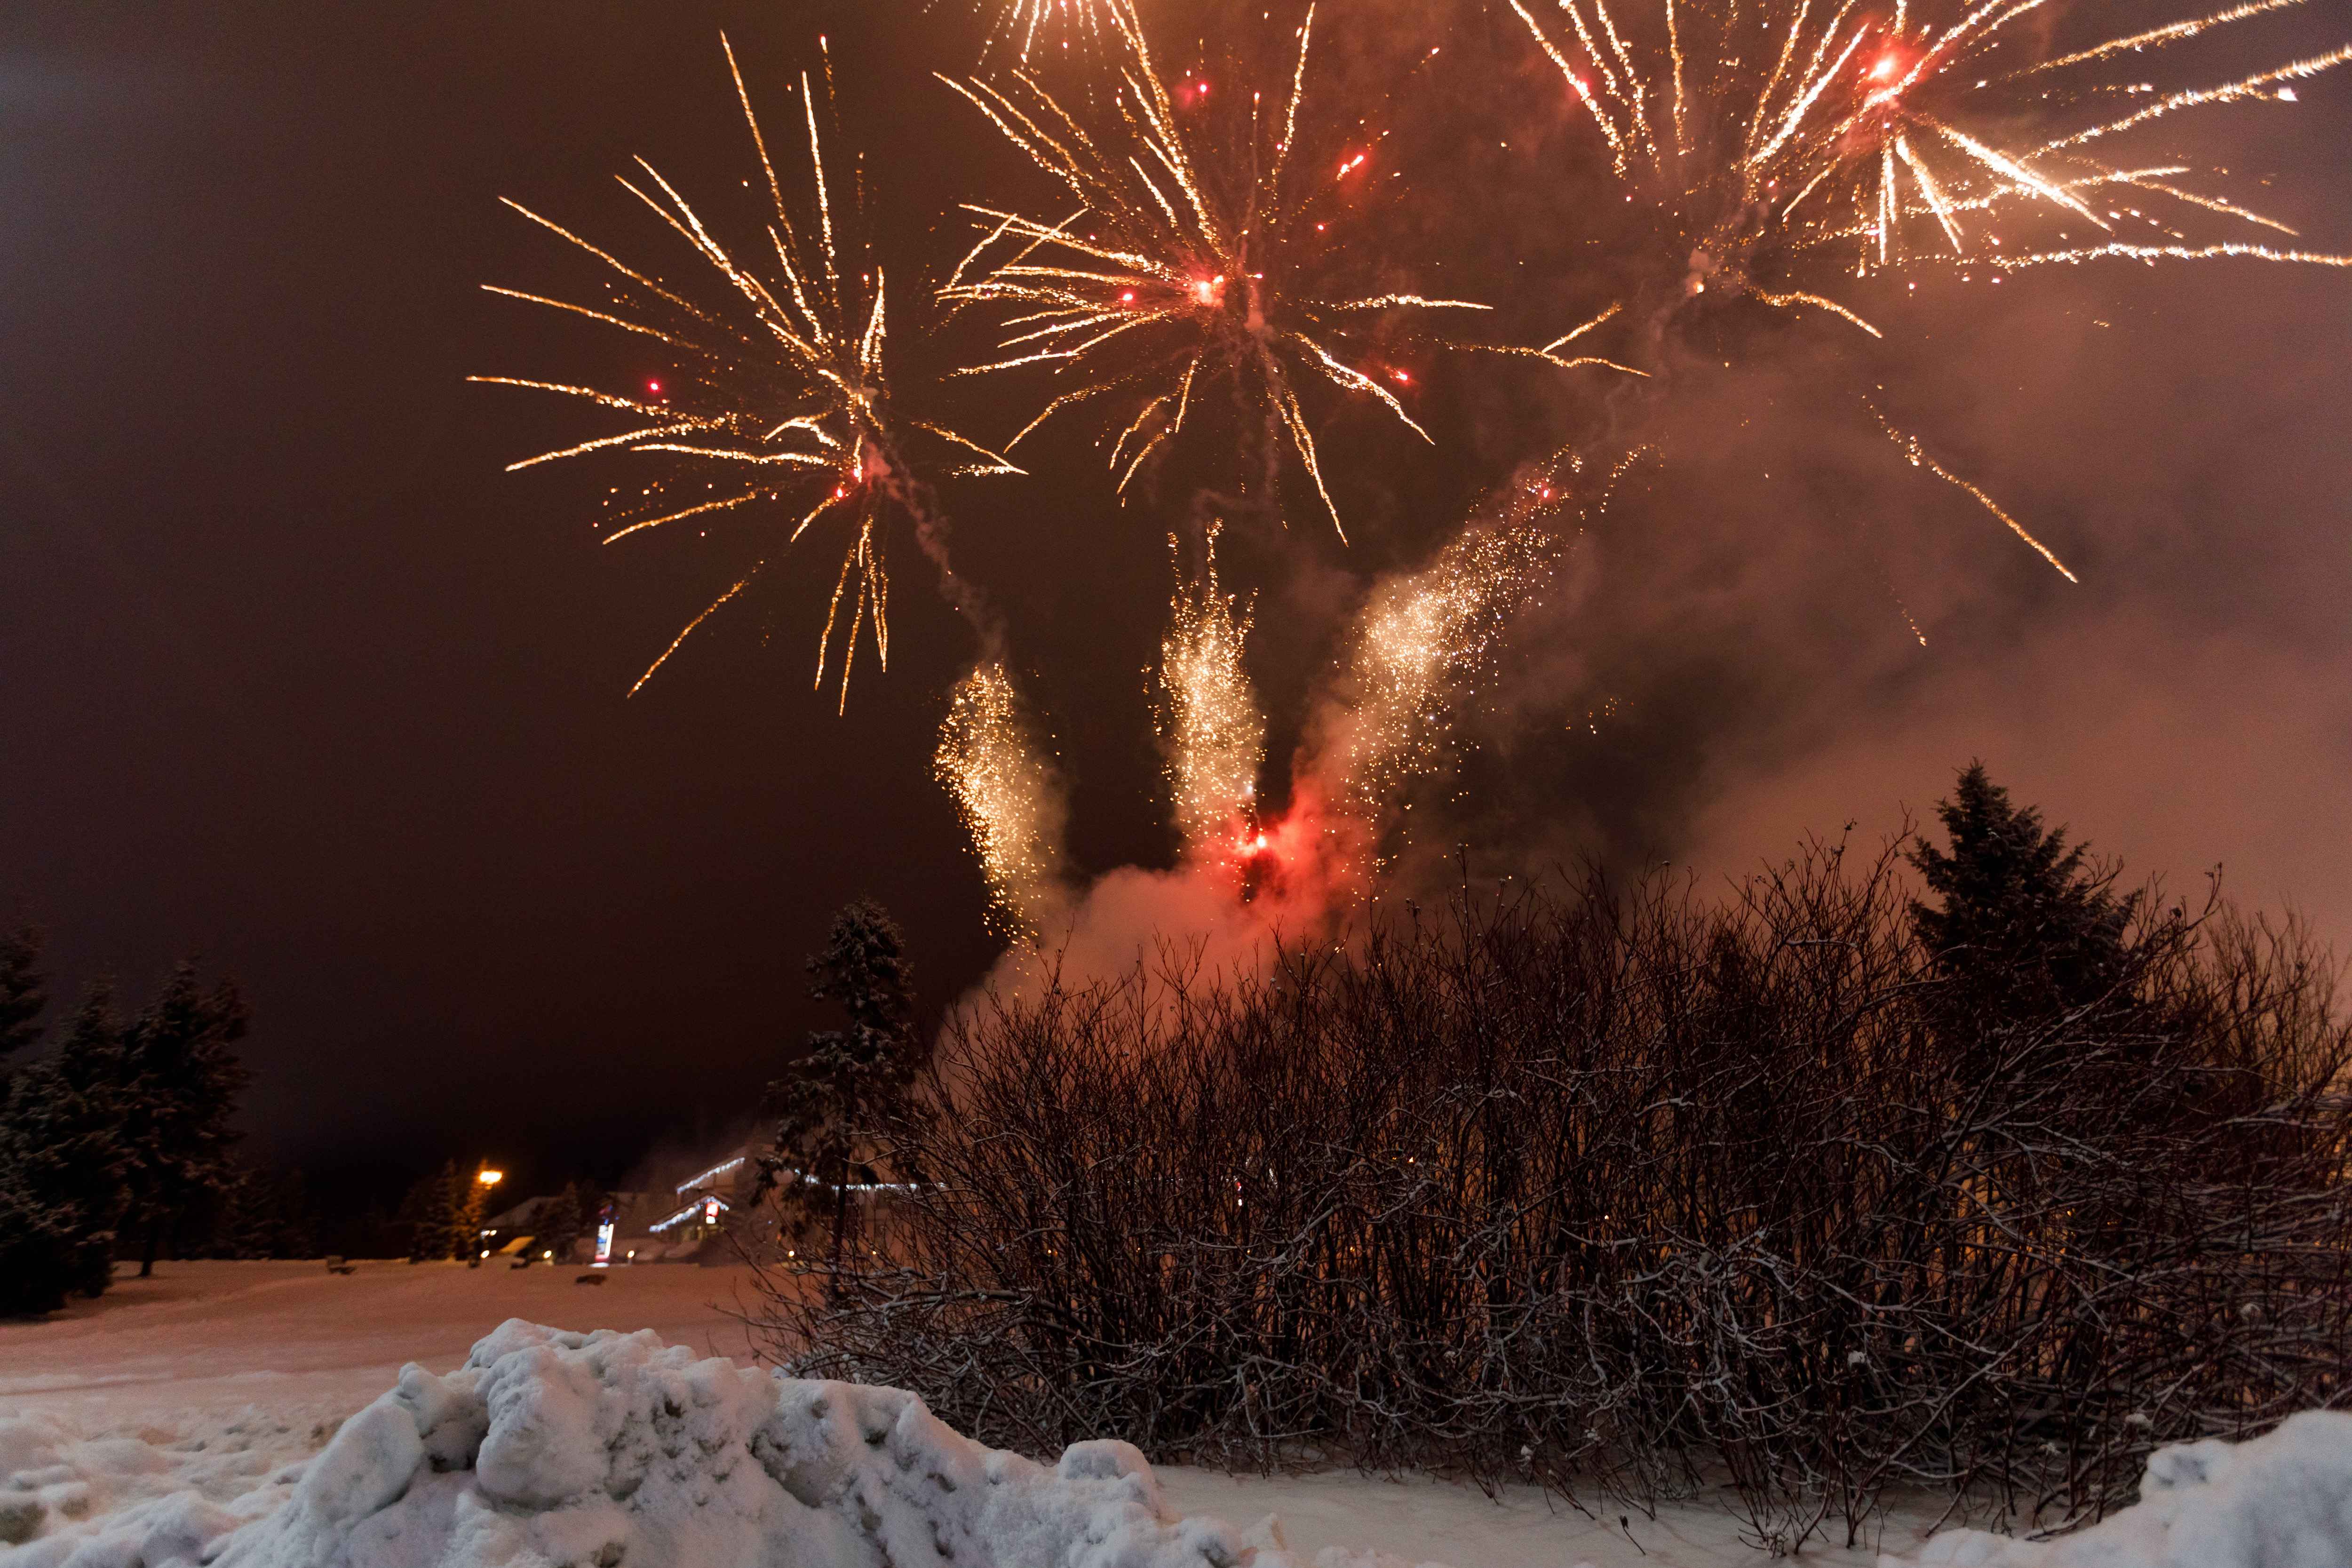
x,y
23,997
264,1212
2027,926
849,1082
177,1090
560,1222
470,1200
293,1221
429,1217
63,1166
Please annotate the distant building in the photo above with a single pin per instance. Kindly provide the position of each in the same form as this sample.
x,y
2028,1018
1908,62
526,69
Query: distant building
x,y
699,1207
720,1211
510,1230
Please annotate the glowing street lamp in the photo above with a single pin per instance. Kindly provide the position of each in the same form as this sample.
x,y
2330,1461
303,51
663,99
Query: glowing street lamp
x,y
489,1178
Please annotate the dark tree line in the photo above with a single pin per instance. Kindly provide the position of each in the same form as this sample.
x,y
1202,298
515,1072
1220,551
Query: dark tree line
x,y
117,1137
1818,1189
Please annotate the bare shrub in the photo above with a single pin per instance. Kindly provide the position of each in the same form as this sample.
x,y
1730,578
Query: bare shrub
x,y
1620,1188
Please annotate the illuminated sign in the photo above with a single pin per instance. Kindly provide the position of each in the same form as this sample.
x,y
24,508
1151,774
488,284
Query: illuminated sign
x,y
605,1242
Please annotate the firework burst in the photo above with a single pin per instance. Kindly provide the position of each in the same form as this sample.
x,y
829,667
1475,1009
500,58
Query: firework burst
x,y
1870,135
1210,726
1192,263
771,396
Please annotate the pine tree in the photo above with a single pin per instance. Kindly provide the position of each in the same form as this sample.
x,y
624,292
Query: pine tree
x,y
22,996
264,1214
560,1222
63,1166
469,1198
178,1088
2028,926
850,1081
430,1215
293,1221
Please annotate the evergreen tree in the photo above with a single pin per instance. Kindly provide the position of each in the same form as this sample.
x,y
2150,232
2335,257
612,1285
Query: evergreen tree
x,y
429,1217
2028,925
22,995
264,1214
849,1082
63,1166
560,1222
469,1199
293,1219
177,1089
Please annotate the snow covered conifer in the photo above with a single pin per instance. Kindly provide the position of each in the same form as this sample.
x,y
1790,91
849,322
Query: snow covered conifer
x,y
561,1221
850,1082
177,1089
22,997
62,1166
469,1202
428,1214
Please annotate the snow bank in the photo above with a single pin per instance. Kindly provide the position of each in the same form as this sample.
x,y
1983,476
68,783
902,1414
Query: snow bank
x,y
2282,1501
552,1448
152,1498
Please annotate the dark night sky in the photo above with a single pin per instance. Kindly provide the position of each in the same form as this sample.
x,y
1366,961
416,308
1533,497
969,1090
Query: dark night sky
x,y
299,681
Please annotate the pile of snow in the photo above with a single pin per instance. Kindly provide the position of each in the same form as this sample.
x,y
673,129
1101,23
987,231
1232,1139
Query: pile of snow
x,y
2281,1500
59,1489
548,1447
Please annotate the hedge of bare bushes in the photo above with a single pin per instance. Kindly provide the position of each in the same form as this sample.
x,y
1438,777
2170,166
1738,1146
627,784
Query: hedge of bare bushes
x,y
1635,1191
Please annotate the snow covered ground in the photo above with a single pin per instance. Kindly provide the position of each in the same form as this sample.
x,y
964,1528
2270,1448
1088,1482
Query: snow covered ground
x,y
189,1417
217,1335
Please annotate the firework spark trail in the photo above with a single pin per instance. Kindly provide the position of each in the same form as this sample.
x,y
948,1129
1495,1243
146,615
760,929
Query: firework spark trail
x,y
1021,25
774,397
1419,639
1919,460
2155,253
1211,728
2158,37
1848,134
1009,797
1182,268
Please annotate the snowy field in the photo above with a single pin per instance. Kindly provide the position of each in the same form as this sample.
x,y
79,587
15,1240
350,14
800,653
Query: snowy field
x,y
138,1431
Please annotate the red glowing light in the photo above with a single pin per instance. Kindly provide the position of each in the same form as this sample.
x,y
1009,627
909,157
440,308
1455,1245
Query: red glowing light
x,y
1403,378
1127,297
654,388
1884,67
